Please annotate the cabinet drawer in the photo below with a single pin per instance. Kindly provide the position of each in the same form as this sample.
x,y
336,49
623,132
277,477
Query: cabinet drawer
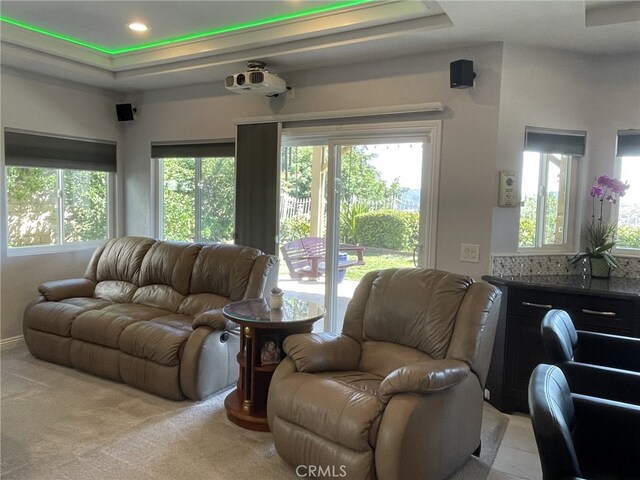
x,y
588,312
607,315
534,303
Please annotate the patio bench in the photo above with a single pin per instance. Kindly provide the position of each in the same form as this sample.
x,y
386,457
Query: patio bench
x,y
306,258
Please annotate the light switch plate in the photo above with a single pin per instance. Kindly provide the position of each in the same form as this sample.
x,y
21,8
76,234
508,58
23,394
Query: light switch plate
x,y
469,252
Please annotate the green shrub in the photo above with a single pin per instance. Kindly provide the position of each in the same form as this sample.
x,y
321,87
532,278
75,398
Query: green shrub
x,y
294,228
628,236
397,230
348,233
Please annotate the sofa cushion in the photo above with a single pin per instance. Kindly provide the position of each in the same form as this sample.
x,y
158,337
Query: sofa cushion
x,y
53,317
137,311
201,302
169,263
414,307
154,341
224,270
122,259
87,302
160,296
115,291
100,327
175,320
346,409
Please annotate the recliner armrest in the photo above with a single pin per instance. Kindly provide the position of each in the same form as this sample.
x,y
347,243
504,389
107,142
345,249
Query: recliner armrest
x,y
319,352
608,350
423,378
211,318
72,287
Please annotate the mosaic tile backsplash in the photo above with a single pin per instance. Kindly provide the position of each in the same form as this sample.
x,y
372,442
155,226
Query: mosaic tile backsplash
x,y
520,265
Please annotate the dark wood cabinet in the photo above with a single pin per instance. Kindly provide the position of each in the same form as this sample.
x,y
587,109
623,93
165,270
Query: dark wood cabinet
x,y
607,307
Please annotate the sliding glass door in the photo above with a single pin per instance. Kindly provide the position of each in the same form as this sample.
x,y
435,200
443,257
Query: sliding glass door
x,y
350,205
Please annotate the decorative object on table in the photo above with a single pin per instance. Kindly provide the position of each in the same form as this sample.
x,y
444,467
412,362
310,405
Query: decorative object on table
x,y
276,300
600,235
270,352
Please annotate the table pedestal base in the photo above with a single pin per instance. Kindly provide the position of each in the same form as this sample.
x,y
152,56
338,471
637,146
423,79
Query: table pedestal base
x,y
236,414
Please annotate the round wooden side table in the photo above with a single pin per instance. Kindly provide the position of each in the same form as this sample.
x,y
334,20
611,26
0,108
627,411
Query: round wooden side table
x,y
262,331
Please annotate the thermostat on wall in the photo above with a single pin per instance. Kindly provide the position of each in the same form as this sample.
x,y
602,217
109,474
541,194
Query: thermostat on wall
x,y
508,195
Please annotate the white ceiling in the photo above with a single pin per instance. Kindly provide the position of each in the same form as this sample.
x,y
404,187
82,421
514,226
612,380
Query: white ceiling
x,y
376,30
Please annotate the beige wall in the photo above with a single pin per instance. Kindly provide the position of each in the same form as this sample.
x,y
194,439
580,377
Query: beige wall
x,y
563,90
469,132
482,132
47,106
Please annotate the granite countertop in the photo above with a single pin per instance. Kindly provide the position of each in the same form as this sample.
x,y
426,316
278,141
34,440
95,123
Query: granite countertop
x,y
614,286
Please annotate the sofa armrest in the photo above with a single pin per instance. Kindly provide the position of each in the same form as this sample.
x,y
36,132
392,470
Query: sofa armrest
x,y
61,289
213,319
423,378
319,352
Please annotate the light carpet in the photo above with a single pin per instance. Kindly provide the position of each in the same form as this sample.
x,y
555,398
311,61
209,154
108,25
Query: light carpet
x,y
61,424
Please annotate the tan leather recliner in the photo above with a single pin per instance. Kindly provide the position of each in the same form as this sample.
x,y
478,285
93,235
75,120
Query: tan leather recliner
x,y
396,396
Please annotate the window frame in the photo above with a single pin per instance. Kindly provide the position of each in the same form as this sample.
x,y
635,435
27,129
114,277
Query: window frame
x,y
61,246
158,173
615,210
570,208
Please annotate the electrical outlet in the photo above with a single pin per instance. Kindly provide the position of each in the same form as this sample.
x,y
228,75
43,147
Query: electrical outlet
x,y
487,394
469,252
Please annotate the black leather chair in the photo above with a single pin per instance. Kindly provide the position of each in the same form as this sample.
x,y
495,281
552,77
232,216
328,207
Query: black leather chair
x,y
579,436
596,364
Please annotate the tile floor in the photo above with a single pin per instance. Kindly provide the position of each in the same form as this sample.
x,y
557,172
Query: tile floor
x,y
517,456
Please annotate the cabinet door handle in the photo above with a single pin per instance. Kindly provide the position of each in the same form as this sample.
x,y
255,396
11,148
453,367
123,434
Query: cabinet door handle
x,y
537,305
596,312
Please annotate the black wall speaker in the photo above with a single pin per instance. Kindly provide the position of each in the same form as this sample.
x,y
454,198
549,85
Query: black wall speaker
x,y
125,112
461,74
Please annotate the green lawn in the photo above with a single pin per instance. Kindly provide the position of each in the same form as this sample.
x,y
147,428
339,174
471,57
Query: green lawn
x,y
375,259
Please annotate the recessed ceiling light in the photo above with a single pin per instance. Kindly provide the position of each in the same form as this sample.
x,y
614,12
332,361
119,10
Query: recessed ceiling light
x,y
138,27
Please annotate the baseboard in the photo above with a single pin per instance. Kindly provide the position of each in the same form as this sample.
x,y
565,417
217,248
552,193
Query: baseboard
x,y
11,342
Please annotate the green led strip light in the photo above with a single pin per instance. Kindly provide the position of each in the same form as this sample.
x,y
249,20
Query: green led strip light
x,y
192,36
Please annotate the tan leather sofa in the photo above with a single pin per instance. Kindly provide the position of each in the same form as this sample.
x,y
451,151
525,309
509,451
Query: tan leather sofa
x,y
148,313
396,396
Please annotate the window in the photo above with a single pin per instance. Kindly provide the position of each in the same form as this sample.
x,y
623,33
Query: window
x,y
543,202
545,187
52,206
196,192
628,169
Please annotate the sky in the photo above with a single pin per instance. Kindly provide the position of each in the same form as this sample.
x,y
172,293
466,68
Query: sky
x,y
399,160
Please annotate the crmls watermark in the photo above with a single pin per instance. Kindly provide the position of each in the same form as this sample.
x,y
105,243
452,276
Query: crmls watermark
x,y
317,471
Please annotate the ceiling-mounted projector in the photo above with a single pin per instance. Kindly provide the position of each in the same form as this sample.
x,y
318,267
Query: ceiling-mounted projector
x,y
256,81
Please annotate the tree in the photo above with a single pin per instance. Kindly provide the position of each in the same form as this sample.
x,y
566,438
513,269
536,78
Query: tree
x,y
85,206
33,205
361,185
216,189
296,171
178,199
